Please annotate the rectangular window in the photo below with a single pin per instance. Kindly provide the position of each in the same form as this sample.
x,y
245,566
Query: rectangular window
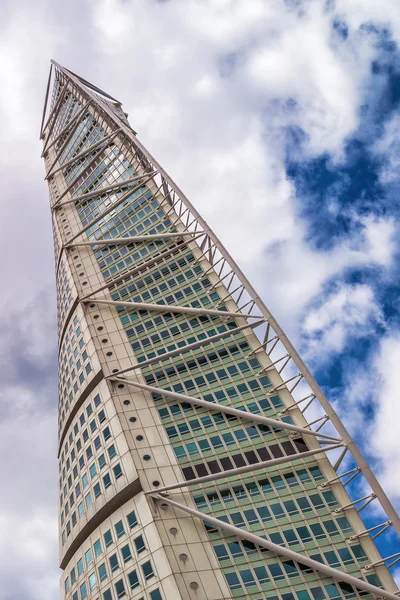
x,y
133,580
117,471
155,595
92,581
112,451
114,562
132,520
83,590
139,544
108,540
107,480
147,570
119,529
126,553
88,557
97,548
80,566
102,572
120,588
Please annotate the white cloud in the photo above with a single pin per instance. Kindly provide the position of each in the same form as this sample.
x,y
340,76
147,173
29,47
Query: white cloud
x,y
349,312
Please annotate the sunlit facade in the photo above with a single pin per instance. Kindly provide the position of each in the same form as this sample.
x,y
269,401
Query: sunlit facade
x,y
181,400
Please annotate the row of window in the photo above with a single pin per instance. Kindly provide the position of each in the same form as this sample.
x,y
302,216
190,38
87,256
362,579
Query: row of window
x,y
276,484
243,436
97,550
257,577
87,435
250,457
234,550
120,586
281,510
177,411
80,462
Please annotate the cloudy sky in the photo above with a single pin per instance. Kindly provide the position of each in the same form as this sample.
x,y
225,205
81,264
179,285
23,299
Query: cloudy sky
x,y
279,119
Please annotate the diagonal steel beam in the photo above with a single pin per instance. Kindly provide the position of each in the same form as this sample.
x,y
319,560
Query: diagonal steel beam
x,y
69,136
241,414
189,347
54,112
142,267
128,240
107,138
77,117
174,309
246,469
281,550
113,207
45,103
81,174
99,191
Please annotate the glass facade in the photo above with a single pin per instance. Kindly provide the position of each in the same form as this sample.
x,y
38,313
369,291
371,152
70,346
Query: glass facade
x,y
121,443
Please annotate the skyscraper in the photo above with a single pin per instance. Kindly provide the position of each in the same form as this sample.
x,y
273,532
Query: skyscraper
x,y
198,458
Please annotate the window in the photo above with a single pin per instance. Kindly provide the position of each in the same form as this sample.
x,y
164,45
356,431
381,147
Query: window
x,y
155,595
92,581
119,529
126,553
107,480
147,570
97,490
139,544
112,451
133,579
107,595
97,548
73,576
85,480
80,566
106,433
117,471
108,540
88,557
132,521
114,562
120,588
83,590
102,572
66,584
88,500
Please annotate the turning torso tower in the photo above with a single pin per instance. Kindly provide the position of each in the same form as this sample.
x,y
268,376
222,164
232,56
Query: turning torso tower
x,y
198,458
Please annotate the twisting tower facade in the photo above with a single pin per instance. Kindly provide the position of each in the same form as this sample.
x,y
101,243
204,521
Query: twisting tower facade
x,y
187,466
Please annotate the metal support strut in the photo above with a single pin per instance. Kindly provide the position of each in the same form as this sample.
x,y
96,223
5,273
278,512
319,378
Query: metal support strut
x,y
281,550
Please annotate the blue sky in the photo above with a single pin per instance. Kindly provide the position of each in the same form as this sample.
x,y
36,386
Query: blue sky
x,y
281,123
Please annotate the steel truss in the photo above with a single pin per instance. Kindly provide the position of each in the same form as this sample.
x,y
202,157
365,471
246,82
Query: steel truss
x,y
279,550
275,343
